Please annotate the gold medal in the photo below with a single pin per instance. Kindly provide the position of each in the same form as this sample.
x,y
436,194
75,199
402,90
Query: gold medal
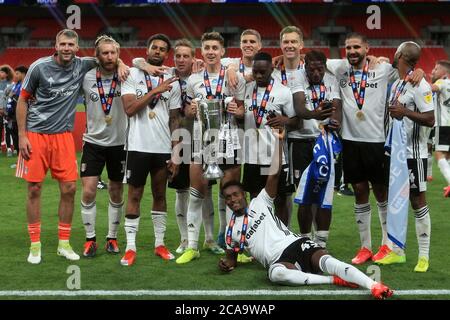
x,y
151,114
108,119
360,115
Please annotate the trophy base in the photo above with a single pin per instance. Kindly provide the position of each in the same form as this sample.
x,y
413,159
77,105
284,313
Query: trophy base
x,y
213,172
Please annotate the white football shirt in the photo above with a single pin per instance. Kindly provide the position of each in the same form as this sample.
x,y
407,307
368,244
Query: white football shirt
x,y
417,99
443,103
236,61
259,144
145,134
311,127
266,237
98,131
372,127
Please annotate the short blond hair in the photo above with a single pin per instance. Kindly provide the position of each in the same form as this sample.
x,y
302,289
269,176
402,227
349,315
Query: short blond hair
x,y
251,32
69,33
105,39
291,29
185,43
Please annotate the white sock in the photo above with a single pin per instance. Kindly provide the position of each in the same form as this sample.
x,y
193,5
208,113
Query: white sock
x,y
382,214
309,235
131,229
114,214
321,238
279,273
363,215
194,218
181,205
159,226
345,271
88,214
445,169
223,221
208,217
423,230
430,165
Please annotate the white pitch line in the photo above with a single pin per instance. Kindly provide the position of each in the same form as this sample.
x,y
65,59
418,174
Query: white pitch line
x,y
219,293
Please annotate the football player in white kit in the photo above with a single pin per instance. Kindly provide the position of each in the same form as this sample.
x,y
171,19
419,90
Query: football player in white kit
x,y
415,106
104,142
290,259
207,84
152,104
364,118
440,78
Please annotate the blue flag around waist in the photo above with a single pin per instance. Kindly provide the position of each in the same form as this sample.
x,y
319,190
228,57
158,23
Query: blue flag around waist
x,y
316,184
398,196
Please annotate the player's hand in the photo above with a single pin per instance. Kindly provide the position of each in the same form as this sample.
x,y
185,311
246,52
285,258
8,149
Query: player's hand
x,y
156,70
248,78
191,110
321,112
278,121
225,265
333,125
123,71
166,85
198,65
417,76
173,169
235,110
232,78
398,111
279,132
25,147
277,61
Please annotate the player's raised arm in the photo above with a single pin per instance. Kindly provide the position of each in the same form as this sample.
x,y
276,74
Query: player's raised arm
x,y
272,180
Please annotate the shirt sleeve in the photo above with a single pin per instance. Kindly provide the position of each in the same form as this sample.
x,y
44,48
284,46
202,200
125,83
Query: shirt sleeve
x,y
129,87
190,88
335,92
240,91
264,197
288,108
440,84
88,63
31,81
424,97
175,96
334,64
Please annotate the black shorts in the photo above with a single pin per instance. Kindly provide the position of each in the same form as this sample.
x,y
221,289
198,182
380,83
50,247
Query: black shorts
x,y
300,156
417,170
442,141
300,252
254,181
95,157
364,161
431,138
139,165
181,180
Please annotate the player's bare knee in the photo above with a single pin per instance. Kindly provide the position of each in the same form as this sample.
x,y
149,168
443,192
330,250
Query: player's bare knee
x,y
68,189
34,190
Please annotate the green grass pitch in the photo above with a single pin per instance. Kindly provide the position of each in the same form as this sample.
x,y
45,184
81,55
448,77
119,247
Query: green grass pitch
x,y
104,272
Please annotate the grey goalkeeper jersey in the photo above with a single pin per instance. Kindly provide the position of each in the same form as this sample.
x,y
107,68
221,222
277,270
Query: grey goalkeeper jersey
x,y
56,89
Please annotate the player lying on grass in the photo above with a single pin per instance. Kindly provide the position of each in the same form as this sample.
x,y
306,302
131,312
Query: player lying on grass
x,y
290,259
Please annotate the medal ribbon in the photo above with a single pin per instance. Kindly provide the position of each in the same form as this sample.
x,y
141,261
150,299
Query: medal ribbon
x,y
241,67
359,96
243,232
218,94
258,113
283,73
316,101
148,80
106,103
399,88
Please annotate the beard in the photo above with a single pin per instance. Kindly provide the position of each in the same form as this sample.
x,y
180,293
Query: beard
x,y
357,56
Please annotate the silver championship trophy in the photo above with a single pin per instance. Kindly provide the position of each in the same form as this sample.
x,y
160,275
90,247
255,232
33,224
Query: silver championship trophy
x,y
210,113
